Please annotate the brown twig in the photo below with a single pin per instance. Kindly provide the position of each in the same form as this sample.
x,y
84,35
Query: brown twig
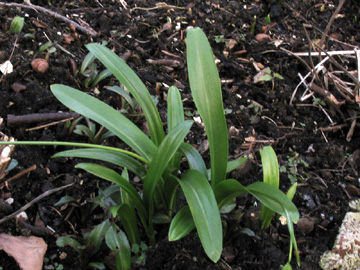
x,y
18,175
13,120
331,21
28,5
50,124
38,198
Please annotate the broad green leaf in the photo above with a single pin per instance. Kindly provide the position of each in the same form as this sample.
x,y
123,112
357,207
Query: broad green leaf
x,y
128,220
270,166
206,90
274,199
68,241
115,178
119,243
231,165
132,83
205,212
194,158
270,176
236,163
181,225
228,190
175,115
17,25
112,157
268,195
95,237
161,158
106,116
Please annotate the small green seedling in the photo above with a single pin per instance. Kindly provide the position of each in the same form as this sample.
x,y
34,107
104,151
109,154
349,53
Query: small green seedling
x,y
269,75
17,25
96,137
49,47
267,19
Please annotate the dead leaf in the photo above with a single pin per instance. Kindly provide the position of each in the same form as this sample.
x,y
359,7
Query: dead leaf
x,y
27,251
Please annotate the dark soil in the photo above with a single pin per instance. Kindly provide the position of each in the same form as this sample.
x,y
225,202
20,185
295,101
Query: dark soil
x,y
323,162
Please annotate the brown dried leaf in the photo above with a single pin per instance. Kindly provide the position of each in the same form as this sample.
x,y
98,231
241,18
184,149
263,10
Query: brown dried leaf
x,y
27,251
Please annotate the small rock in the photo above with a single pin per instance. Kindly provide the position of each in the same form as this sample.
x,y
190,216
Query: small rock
x,y
39,65
306,225
262,38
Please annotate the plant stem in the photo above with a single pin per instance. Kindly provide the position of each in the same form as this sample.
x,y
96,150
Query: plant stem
x,y
82,145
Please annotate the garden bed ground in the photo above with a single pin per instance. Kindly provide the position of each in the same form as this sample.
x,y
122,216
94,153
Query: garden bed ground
x,y
312,143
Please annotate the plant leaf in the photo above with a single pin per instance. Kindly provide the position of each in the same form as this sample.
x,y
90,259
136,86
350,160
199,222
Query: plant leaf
x,y
132,82
161,158
106,116
95,237
181,225
68,241
119,243
270,176
112,157
175,115
268,195
122,93
114,177
128,219
194,158
206,90
102,75
205,212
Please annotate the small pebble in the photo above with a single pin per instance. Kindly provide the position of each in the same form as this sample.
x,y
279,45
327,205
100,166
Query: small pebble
x,y
262,38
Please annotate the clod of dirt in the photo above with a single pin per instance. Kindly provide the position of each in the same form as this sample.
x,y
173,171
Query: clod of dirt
x,y
39,65
306,225
17,87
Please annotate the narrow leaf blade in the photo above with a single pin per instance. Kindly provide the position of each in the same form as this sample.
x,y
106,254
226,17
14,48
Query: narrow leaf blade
x,y
113,157
206,90
106,116
162,157
133,83
181,225
205,212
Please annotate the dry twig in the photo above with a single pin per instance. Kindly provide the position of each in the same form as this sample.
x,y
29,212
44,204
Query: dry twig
x,y
88,30
38,198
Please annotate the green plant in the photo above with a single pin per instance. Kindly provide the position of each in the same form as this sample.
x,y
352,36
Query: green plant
x,y
90,71
96,137
292,167
269,75
16,25
49,47
268,19
156,160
